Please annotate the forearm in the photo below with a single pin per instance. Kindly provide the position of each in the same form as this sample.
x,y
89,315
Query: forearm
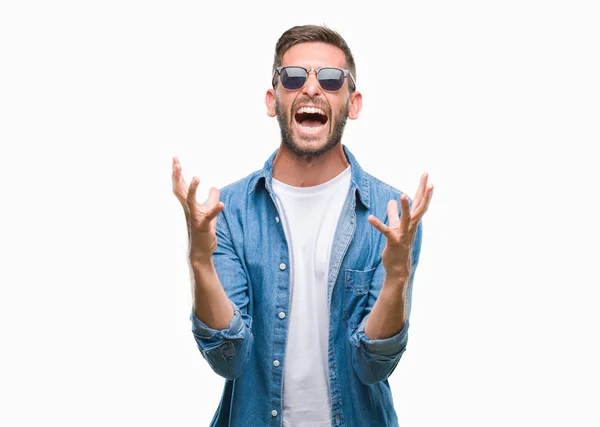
x,y
390,311
221,328
380,340
211,304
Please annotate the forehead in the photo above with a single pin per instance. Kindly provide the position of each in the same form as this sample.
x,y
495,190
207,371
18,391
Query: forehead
x,y
314,55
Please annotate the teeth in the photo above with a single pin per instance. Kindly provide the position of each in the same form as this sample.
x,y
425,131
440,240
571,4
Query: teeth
x,y
311,110
309,128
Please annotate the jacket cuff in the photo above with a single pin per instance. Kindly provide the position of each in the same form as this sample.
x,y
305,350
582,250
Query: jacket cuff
x,y
381,350
208,338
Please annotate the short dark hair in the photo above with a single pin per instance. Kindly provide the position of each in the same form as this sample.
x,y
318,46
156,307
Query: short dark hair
x,y
312,33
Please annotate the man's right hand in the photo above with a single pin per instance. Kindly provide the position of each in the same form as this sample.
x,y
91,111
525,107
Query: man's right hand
x,y
200,218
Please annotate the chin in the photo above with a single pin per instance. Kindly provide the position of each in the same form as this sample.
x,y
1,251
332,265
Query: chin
x,y
312,147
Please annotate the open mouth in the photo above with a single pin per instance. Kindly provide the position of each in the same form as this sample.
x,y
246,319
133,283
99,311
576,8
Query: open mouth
x,y
310,119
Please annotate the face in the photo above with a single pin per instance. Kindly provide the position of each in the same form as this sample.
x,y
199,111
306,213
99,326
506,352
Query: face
x,y
311,119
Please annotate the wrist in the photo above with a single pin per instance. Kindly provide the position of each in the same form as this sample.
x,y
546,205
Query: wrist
x,y
395,284
398,275
199,264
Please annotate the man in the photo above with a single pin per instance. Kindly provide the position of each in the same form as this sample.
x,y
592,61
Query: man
x,y
298,302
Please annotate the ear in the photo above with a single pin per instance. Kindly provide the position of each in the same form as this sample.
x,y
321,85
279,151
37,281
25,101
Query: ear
x,y
270,102
355,105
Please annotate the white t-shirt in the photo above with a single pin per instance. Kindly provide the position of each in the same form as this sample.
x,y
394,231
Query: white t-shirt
x,y
310,217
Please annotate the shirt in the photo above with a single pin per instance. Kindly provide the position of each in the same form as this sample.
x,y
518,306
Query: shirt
x,y
252,260
309,216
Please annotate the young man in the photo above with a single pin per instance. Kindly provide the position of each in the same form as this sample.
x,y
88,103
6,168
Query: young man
x,y
301,291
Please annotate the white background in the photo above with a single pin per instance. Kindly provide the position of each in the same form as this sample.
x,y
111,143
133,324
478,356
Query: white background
x,y
498,101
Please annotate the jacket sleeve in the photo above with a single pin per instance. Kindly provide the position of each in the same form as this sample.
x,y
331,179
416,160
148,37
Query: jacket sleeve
x,y
227,350
375,360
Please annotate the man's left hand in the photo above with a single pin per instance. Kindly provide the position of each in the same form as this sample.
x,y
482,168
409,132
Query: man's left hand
x,y
400,233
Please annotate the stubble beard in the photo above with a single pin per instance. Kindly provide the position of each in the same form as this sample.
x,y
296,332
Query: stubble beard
x,y
334,138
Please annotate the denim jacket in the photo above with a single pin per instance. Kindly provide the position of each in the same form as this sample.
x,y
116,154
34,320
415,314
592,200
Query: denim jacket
x,y
252,262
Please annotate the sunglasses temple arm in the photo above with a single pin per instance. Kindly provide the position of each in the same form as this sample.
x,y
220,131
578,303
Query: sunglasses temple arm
x,y
352,78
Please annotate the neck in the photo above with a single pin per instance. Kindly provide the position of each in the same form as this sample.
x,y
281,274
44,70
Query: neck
x,y
308,171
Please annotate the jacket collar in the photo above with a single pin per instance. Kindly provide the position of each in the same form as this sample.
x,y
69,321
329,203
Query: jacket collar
x,y
359,178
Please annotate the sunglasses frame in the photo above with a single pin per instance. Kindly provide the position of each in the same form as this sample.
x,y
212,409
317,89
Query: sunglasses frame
x,y
316,70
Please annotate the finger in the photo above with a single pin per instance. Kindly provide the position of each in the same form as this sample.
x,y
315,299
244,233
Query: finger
x,y
191,198
418,213
429,197
176,169
421,190
179,184
375,222
213,206
392,211
213,197
405,216
418,204
215,210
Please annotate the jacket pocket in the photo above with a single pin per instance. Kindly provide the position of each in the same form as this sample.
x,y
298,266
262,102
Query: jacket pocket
x,y
356,295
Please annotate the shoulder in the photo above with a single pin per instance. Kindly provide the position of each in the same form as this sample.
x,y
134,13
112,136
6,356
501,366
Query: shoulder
x,y
242,196
382,190
241,187
371,187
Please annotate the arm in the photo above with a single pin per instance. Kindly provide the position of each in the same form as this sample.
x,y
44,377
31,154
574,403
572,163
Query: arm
x,y
381,337
220,325
226,345
390,312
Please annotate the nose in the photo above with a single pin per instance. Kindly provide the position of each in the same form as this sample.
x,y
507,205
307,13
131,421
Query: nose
x,y
311,87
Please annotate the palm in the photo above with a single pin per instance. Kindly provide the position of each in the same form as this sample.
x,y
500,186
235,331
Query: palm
x,y
400,233
200,218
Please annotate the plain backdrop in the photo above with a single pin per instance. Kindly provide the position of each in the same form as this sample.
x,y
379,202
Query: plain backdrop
x,y
497,101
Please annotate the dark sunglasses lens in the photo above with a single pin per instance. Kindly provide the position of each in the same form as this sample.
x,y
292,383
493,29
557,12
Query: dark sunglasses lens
x,y
331,79
293,78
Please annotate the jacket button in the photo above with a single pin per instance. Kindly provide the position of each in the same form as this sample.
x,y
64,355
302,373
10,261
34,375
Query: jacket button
x,y
282,266
281,315
274,412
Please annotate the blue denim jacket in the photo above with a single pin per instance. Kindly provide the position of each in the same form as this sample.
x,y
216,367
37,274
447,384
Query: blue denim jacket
x,y
252,260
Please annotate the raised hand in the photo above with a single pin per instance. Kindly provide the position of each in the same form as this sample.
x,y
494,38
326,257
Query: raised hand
x,y
200,218
400,233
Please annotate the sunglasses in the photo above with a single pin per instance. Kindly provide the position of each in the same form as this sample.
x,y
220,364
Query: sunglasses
x,y
294,77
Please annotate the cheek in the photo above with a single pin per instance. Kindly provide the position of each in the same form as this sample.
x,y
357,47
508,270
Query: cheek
x,y
339,111
282,105
339,106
